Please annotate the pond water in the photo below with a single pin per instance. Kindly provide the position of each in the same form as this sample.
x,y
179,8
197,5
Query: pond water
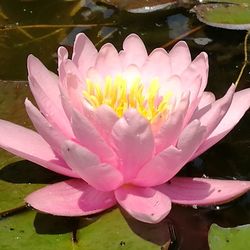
x,y
40,27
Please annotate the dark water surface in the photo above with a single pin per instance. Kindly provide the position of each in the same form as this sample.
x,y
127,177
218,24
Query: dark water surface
x,y
57,22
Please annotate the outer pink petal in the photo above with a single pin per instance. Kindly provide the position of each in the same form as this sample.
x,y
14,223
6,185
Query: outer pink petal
x,y
180,57
84,53
101,176
157,66
88,137
53,136
133,142
204,105
240,104
168,162
206,99
108,61
29,145
171,128
47,80
71,198
145,204
201,191
134,51
54,114
218,109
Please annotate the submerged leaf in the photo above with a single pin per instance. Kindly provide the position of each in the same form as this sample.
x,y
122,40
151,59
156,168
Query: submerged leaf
x,y
229,238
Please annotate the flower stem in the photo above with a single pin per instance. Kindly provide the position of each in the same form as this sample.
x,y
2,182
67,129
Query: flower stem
x,y
245,58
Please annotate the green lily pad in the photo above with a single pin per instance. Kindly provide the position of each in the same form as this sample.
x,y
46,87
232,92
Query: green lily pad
x,y
18,232
224,15
29,231
229,238
111,231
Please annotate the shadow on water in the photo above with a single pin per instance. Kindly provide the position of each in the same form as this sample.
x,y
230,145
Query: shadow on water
x,y
156,233
49,224
28,172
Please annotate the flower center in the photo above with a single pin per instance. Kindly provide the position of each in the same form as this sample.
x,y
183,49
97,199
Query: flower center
x,y
120,96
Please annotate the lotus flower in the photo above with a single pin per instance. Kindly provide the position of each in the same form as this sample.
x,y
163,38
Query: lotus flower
x,y
121,126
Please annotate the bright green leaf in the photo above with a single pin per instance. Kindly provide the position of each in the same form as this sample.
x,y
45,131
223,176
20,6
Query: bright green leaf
x,y
229,238
18,232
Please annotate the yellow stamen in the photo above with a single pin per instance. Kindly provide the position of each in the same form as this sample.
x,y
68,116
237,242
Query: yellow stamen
x,y
119,96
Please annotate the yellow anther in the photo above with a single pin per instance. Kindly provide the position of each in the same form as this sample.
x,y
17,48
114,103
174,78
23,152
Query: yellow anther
x,y
119,96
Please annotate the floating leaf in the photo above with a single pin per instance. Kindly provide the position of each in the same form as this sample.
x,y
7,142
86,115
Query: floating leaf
x,y
111,231
18,232
29,230
224,15
141,6
229,238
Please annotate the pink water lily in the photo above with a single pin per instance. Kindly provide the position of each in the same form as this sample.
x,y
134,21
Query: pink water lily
x,y
121,126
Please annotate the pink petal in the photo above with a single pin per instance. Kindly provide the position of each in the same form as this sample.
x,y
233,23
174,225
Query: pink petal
x,y
47,80
101,176
133,142
54,114
53,136
171,128
62,55
172,85
84,53
72,84
180,57
206,99
29,145
105,118
198,67
218,109
157,65
145,204
240,104
108,61
88,137
95,76
191,136
70,198
131,73
134,51
194,99
204,105
168,162
202,192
